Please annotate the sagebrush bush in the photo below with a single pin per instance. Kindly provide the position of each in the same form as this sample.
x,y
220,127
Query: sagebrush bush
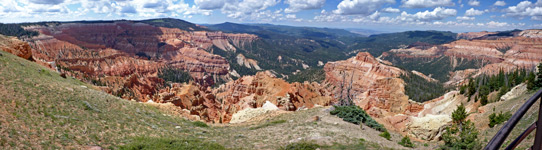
x,y
356,115
301,146
495,119
406,142
200,124
386,135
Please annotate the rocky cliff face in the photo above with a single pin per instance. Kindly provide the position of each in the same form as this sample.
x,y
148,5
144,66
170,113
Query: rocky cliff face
x,y
15,46
532,33
359,72
218,105
125,57
371,85
249,63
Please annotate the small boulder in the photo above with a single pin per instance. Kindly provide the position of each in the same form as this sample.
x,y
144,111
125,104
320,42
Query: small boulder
x,y
315,118
63,75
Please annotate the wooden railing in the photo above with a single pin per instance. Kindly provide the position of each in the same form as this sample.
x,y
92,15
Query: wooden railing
x,y
503,133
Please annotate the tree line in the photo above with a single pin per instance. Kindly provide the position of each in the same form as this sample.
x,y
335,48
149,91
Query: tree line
x,y
481,86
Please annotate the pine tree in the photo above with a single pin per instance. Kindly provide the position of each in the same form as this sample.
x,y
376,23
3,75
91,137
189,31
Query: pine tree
x,y
538,80
531,81
483,100
462,134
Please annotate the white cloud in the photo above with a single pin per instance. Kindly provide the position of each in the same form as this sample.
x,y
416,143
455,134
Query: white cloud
x,y
494,24
209,4
452,23
360,7
426,3
290,16
474,3
465,18
526,9
326,16
500,3
438,13
299,5
247,8
391,10
473,12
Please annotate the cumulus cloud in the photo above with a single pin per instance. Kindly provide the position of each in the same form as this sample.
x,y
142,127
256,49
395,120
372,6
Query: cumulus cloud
x,y
360,7
526,9
465,18
299,5
499,3
209,4
474,3
246,8
473,12
438,13
426,3
326,16
290,16
391,10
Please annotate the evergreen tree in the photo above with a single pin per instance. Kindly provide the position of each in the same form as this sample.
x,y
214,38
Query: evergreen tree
x,y
462,134
483,100
531,81
538,80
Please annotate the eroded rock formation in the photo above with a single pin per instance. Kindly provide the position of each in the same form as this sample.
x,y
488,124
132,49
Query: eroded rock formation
x,y
505,53
15,46
249,63
247,92
377,88
124,57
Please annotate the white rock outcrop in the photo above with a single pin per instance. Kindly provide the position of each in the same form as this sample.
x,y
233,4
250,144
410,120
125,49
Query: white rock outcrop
x,y
249,113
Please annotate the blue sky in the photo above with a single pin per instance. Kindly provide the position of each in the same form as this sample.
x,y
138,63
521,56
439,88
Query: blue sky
x,y
382,15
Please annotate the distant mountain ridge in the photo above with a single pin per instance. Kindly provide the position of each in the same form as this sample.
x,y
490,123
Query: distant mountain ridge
x,y
270,30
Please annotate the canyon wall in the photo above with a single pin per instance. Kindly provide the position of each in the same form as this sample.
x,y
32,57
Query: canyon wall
x,y
124,57
489,54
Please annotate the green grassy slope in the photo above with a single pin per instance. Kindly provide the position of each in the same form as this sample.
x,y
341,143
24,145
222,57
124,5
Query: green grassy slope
x,y
42,110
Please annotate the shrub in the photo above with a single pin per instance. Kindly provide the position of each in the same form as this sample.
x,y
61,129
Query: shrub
x,y
386,135
406,142
495,119
200,124
301,146
356,115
